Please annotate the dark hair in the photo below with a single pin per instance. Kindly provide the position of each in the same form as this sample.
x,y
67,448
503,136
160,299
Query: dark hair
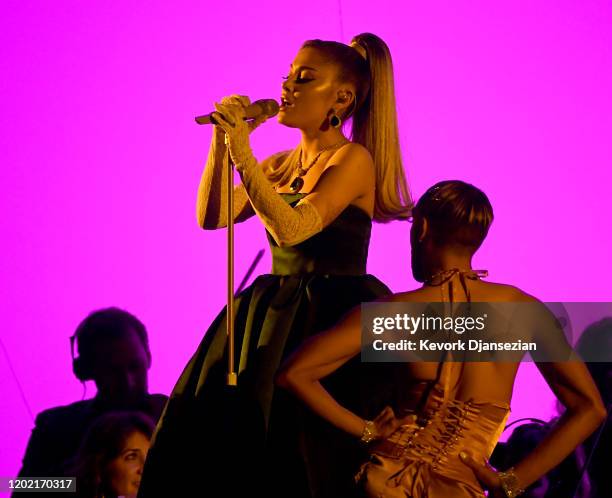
x,y
107,324
457,213
104,441
593,347
367,65
593,341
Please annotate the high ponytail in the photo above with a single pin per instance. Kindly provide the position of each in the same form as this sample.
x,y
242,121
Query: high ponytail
x,y
375,127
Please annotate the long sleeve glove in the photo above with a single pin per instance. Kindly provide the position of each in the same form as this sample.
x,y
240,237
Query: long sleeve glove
x,y
212,193
287,225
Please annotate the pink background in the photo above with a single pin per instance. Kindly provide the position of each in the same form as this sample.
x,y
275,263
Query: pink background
x,y
100,160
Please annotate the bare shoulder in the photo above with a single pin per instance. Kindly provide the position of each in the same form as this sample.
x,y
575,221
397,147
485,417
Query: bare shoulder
x,y
352,161
492,292
352,153
507,293
413,296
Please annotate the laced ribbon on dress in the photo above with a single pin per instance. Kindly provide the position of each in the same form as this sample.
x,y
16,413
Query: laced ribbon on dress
x,y
439,280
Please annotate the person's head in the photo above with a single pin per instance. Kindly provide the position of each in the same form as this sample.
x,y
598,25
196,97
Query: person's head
x,y
452,216
113,351
353,82
110,460
594,346
326,78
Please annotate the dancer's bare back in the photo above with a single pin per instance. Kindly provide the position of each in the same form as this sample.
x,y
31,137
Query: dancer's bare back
x,y
483,381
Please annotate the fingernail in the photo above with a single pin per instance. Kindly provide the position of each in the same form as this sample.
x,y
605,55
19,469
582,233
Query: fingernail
x,y
463,455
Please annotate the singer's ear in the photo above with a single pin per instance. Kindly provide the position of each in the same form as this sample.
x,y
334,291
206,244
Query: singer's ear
x,y
345,101
345,97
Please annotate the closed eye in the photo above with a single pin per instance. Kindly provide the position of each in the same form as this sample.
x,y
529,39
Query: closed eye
x,y
299,80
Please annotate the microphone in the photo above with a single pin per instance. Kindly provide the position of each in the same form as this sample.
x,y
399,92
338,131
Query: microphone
x,y
268,107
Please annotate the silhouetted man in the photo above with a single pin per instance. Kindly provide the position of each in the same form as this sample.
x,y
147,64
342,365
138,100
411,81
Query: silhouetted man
x,y
113,351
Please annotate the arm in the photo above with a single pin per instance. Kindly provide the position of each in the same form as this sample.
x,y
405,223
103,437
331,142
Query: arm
x,y
569,379
211,204
318,357
574,387
322,355
351,176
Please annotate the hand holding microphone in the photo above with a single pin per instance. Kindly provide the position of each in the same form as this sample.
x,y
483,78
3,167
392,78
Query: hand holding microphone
x,y
259,110
231,115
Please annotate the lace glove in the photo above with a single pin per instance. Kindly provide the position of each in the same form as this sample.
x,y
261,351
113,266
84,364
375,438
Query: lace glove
x,y
230,116
288,226
211,204
212,192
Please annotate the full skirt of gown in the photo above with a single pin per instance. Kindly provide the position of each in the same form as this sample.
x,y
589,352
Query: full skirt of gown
x,y
214,440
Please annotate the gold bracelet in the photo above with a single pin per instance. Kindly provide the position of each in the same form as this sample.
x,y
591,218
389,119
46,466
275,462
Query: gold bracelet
x,y
509,483
369,432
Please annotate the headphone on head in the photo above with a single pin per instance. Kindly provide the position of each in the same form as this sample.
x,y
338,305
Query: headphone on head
x,y
81,365
81,368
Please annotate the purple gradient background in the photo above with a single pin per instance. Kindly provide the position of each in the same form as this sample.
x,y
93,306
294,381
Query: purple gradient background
x,y
101,160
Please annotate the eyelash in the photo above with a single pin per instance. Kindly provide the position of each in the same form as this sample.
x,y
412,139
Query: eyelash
x,y
299,80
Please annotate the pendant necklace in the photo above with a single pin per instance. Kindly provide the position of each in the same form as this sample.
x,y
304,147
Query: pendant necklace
x,y
298,182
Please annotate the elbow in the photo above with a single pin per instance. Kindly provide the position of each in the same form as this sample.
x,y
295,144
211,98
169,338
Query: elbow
x,y
201,221
596,409
597,414
204,222
201,216
205,215
600,414
206,226
285,378
282,243
593,411
282,240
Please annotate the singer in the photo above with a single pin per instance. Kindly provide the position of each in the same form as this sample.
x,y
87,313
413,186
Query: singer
x,y
317,203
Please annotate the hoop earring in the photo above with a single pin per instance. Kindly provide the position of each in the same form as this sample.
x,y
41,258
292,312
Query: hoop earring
x,y
334,120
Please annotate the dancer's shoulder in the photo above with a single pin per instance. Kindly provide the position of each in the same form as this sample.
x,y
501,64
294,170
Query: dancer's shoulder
x,y
485,292
499,292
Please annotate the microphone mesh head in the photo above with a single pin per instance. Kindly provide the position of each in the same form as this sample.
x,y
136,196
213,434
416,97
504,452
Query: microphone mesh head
x,y
269,106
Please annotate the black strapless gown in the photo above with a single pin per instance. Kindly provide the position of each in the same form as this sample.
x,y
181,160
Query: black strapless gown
x,y
214,440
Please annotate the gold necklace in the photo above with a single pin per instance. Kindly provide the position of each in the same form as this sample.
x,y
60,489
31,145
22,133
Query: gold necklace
x,y
298,182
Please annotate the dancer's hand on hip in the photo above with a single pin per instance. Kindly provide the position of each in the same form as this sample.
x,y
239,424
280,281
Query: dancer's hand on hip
x,y
486,475
386,423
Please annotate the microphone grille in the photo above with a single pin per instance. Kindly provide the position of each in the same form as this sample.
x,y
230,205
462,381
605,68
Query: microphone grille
x,y
269,107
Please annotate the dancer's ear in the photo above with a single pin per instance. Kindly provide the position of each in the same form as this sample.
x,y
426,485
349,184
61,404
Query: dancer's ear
x,y
423,229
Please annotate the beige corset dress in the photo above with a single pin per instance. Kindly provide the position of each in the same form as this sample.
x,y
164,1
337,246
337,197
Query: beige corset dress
x,y
421,458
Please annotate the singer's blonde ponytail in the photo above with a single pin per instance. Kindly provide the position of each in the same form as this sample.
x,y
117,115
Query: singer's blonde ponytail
x,y
375,127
